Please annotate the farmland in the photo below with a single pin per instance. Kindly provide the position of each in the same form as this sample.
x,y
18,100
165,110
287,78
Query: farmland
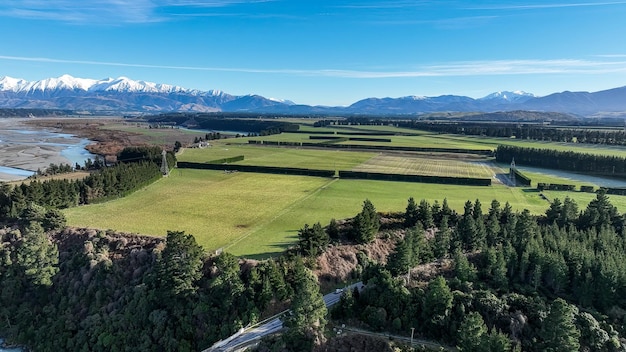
x,y
259,215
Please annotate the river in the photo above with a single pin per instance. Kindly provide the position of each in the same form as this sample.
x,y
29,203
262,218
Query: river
x,y
24,149
13,349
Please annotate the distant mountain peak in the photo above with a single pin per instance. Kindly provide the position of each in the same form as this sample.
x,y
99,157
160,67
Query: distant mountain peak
x,y
123,94
515,96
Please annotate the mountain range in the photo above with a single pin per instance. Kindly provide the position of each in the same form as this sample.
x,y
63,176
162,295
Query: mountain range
x,y
124,95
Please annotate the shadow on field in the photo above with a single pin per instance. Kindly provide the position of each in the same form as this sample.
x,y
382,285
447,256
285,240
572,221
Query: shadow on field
x,y
505,180
277,248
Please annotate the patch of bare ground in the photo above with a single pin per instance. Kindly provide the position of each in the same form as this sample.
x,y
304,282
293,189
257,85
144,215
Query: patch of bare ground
x,y
340,262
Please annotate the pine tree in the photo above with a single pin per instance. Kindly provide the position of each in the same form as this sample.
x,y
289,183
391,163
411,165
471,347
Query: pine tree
x,y
180,264
312,240
366,223
437,303
333,229
399,260
463,269
558,331
467,228
37,256
471,334
425,215
410,215
307,319
441,245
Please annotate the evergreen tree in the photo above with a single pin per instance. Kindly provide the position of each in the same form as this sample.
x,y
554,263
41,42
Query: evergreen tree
x,y
180,264
37,256
307,319
601,212
424,214
463,269
366,223
411,213
312,240
441,245
467,229
399,261
558,331
333,230
437,304
471,334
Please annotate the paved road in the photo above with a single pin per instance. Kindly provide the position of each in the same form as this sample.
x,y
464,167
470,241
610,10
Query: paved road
x,y
252,335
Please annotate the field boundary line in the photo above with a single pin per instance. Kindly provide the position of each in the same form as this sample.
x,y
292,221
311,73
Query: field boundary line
x,y
281,213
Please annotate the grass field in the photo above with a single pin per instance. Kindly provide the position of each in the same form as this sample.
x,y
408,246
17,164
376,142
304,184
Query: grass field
x,y
434,140
259,215
284,157
430,166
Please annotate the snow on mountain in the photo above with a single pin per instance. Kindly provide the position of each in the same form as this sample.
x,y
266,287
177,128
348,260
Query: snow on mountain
x,y
516,96
120,84
284,101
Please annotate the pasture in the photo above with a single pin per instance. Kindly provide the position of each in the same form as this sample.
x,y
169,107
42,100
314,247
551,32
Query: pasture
x,y
259,215
430,166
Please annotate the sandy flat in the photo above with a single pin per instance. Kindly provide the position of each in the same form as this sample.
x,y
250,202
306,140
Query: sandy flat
x,y
22,151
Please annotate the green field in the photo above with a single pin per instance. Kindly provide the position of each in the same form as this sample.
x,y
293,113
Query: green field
x,y
259,215
283,157
256,215
431,166
433,140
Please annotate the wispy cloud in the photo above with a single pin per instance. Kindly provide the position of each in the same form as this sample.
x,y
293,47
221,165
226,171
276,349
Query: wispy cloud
x,y
108,11
547,6
453,69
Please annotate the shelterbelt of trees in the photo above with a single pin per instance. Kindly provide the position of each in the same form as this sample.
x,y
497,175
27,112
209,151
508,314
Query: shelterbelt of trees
x,y
138,167
611,166
522,130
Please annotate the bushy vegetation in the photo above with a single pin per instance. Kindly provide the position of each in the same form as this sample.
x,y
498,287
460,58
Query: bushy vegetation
x,y
86,290
553,282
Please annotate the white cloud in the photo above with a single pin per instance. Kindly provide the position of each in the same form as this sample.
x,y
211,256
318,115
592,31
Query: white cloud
x,y
106,11
547,6
608,65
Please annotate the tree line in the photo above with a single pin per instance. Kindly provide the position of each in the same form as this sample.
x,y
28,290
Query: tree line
x,y
514,281
138,168
594,164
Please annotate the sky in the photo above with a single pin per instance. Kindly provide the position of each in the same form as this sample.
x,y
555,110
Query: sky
x,y
322,52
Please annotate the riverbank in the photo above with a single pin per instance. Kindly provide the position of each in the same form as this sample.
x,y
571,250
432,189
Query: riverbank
x,y
3,348
24,149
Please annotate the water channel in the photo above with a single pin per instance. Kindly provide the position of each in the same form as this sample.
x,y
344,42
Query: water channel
x,y
25,149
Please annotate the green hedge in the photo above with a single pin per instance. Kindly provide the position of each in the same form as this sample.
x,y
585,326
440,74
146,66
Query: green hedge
x,y
367,133
616,191
325,137
363,139
415,178
588,189
227,160
258,169
555,187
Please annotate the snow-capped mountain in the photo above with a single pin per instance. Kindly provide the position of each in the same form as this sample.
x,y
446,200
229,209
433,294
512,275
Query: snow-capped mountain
x,y
120,84
517,96
122,94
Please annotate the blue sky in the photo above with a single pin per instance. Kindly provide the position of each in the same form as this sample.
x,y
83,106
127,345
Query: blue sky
x,y
322,52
